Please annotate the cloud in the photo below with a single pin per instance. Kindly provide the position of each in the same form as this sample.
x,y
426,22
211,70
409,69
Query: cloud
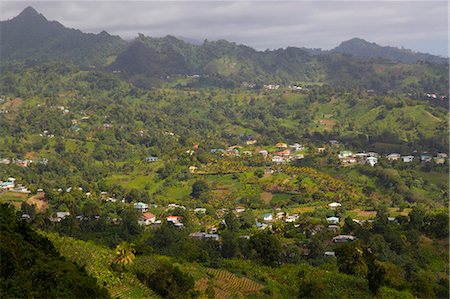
x,y
419,25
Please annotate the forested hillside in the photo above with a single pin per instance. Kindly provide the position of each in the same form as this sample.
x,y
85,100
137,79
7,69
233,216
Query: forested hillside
x,y
217,171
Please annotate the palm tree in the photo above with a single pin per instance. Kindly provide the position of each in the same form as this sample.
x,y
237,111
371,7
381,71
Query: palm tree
x,y
124,255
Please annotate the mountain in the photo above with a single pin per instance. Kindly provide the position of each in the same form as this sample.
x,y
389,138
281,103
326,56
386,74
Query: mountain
x,y
30,36
228,64
364,49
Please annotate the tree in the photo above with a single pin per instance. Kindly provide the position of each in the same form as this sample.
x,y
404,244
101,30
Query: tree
x,y
124,255
198,188
350,259
169,281
267,248
230,244
231,221
375,272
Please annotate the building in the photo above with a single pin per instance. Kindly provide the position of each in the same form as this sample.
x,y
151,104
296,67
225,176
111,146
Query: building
x,y
393,157
343,239
372,161
278,160
201,235
407,159
151,159
147,219
239,209
333,220
141,207
267,217
334,205
426,157
345,154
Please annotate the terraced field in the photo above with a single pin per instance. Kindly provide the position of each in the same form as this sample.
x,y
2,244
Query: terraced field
x,y
227,284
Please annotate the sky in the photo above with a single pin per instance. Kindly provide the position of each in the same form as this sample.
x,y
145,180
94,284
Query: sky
x,y
418,25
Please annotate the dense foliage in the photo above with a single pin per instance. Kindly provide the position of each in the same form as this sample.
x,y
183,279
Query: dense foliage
x,y
32,268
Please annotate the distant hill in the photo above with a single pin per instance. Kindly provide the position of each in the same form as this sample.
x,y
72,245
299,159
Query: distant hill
x,y
30,36
364,49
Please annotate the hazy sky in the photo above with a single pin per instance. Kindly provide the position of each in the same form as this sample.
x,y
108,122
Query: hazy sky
x,y
417,25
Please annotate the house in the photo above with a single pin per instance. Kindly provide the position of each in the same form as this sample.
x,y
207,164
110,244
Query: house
x,y
7,185
141,207
281,145
239,209
271,86
334,142
172,206
343,239
151,159
329,254
320,149
264,153
201,235
280,215
372,161
296,157
345,154
373,154
334,228
5,161
268,217
407,159
426,157
284,153
349,160
250,142
333,220
292,218
21,189
334,205
439,160
200,211
192,169
232,152
297,147
278,160
147,219
441,155
174,219
61,215
393,157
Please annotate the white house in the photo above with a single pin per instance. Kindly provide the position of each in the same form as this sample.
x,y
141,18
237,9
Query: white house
x,y
334,205
278,160
372,161
292,218
333,220
140,206
264,153
199,210
239,209
393,157
345,154
268,217
343,238
407,159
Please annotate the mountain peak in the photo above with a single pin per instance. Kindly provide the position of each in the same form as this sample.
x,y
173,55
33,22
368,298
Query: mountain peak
x,y
29,13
